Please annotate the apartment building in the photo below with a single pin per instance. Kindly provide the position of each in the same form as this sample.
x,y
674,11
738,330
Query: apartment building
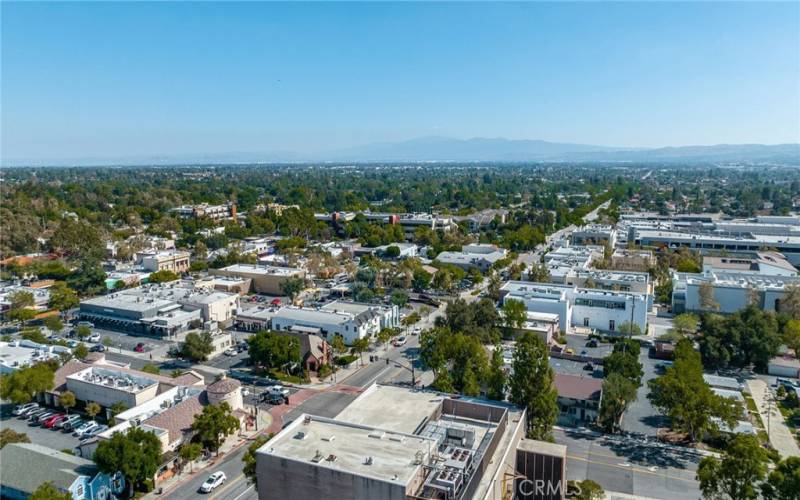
x,y
410,222
206,211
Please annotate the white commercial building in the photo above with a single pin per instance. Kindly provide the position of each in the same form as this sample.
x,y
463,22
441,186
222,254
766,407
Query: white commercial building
x,y
351,320
730,291
601,310
176,261
21,353
478,256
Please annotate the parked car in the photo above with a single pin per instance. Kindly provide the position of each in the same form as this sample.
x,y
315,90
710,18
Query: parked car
x,y
83,428
35,413
39,419
70,424
22,408
588,367
68,421
400,341
416,331
50,422
570,351
231,352
584,352
95,337
279,390
276,302
591,343
98,348
88,324
93,432
213,482
139,347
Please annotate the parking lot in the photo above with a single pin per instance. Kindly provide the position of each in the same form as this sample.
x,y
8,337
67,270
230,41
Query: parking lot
x,y
46,437
578,344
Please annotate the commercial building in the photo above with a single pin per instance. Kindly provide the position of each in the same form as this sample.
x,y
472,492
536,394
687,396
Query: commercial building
x,y
263,278
477,221
566,260
21,353
161,309
176,261
595,234
481,257
428,446
410,222
351,320
26,466
765,263
730,291
601,310
41,295
632,260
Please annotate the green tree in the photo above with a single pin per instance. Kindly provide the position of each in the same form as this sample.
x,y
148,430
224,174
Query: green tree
x,y
46,491
392,252
493,289
106,342
790,304
737,474
683,395
92,409
359,346
197,346
410,319
189,452
618,393
214,423
273,350
116,409
163,276
135,453
20,306
67,400
22,385
791,335
385,335
62,297
421,280
400,298
80,351
338,345
589,490
685,324
8,436
151,368
249,459
628,328
53,323
531,386
783,483
706,296
83,331
624,360
496,377
514,313
292,287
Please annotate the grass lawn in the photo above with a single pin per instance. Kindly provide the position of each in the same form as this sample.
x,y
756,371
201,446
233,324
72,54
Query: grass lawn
x,y
346,360
292,379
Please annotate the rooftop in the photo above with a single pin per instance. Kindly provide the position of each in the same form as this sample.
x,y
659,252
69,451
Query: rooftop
x,y
369,408
114,379
27,465
262,269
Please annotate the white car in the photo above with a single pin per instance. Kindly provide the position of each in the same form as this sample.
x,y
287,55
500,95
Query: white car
x,y
80,431
278,390
95,337
22,409
214,481
400,341
231,352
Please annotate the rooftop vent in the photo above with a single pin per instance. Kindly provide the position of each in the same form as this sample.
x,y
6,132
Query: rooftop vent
x,y
368,461
329,438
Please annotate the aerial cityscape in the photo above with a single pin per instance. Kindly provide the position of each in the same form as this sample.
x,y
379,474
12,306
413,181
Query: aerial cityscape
x,y
402,251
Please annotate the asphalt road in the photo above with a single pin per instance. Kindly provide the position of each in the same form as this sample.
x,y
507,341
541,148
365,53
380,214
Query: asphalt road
x,y
231,465
635,467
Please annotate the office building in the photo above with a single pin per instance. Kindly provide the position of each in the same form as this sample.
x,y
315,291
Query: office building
x,y
205,211
176,261
595,234
351,320
482,257
731,291
22,353
263,278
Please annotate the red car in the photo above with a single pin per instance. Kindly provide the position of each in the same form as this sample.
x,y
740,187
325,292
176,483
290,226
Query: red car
x,y
50,422
139,347
276,302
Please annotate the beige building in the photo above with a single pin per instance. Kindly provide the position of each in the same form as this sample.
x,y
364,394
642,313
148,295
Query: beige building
x,y
263,279
176,261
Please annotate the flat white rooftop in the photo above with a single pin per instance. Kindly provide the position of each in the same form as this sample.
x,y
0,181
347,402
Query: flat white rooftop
x,y
391,407
262,269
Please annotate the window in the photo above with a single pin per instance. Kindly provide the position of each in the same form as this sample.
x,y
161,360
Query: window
x,y
585,321
611,325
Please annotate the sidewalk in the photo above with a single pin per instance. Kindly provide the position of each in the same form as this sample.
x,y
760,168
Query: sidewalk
x,y
231,444
780,436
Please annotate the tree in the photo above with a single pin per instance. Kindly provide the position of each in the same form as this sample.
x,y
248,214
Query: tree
x,y
92,409
83,331
618,393
750,336
214,423
790,303
53,323
66,400
292,287
631,329
20,306
493,289
249,459
8,436
22,385
338,345
588,490
783,482
685,324
22,315
151,368
624,360
421,280
46,491
400,298
736,475
392,252
107,341
62,297
706,294
496,377
385,335
410,319
514,313
359,346
80,351
190,452
531,386
684,396
273,350
197,346
116,409
791,335
539,273
162,276
135,453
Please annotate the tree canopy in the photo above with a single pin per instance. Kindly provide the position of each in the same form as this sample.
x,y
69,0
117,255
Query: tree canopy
x,y
136,453
531,386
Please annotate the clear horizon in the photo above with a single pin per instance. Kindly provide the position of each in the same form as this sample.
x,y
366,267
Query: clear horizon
x,y
117,80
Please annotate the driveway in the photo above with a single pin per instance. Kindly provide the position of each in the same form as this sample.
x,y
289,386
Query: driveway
x,y
54,439
780,436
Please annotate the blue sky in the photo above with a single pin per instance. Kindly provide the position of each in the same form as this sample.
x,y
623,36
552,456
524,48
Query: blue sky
x,y
118,79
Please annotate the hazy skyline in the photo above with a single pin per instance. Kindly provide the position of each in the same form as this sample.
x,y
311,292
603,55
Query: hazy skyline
x,y
123,79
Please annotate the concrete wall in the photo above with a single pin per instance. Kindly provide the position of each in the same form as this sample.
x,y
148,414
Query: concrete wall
x,y
107,396
560,307
281,479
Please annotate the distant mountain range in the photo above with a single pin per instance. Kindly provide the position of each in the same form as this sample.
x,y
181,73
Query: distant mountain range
x,y
444,149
